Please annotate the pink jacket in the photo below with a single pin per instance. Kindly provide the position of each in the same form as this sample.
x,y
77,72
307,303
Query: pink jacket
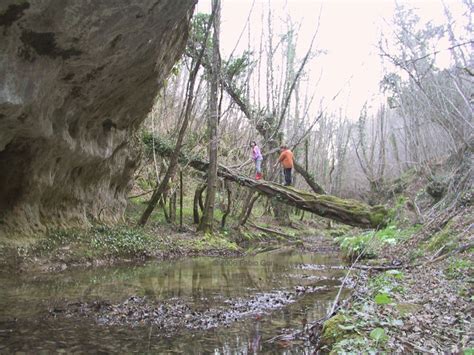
x,y
256,153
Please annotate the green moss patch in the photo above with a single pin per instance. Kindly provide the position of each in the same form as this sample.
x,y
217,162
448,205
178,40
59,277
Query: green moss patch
x,y
335,329
446,238
459,268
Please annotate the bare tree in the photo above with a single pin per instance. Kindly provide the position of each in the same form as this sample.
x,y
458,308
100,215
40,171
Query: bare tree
x,y
207,220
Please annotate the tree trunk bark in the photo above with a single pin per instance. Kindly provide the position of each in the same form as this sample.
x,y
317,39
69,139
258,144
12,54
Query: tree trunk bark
x,y
229,204
243,211
197,203
207,220
181,197
162,203
248,209
172,207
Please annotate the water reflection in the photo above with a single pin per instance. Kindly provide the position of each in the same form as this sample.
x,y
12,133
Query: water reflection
x,y
25,299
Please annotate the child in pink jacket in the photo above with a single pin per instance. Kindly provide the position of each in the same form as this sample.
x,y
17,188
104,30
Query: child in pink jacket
x,y
257,158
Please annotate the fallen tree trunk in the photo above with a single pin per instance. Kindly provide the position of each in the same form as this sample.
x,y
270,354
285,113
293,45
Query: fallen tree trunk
x,y
346,211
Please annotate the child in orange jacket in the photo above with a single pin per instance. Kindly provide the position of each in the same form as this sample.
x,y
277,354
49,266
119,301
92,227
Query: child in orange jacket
x,y
286,160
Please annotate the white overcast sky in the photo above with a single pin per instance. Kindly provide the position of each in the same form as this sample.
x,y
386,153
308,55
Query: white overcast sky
x,y
349,32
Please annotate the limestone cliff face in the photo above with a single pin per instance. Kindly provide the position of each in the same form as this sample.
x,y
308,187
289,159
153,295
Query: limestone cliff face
x,y
76,80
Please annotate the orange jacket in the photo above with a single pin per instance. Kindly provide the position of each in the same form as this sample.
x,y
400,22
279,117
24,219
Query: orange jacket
x,y
286,159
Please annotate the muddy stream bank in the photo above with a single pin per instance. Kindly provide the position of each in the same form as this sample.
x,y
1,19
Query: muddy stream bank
x,y
192,305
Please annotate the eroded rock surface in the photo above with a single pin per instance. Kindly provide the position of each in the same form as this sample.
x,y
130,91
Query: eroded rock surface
x,y
76,80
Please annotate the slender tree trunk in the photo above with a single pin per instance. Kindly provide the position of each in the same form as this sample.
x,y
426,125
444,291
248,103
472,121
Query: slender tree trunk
x,y
200,199
393,141
197,203
306,164
245,205
181,199
229,204
163,206
382,149
247,209
207,220
172,207
306,154
280,210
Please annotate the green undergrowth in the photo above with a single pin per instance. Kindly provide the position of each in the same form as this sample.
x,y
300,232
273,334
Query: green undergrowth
x,y
379,313
122,241
446,239
370,242
98,241
460,268
384,307
216,241
365,327
117,243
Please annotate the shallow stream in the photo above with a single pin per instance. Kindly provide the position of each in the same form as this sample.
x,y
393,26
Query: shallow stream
x,y
194,305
